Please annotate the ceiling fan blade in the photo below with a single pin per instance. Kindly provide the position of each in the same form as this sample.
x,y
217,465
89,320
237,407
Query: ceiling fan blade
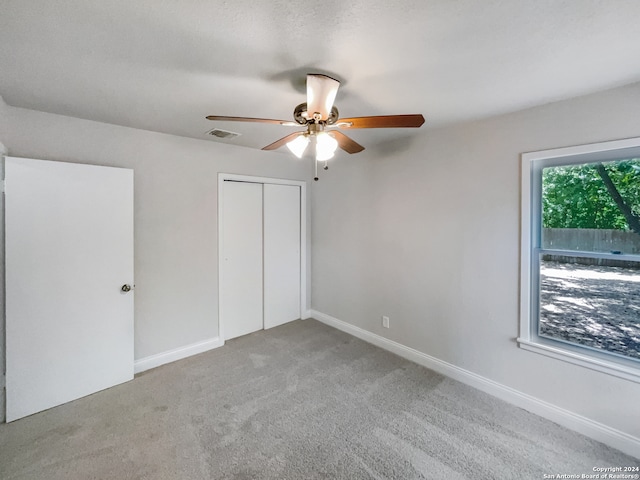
x,y
321,93
345,143
381,121
283,141
249,119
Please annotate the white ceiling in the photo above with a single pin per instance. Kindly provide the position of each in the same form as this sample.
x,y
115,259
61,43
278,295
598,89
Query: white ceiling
x,y
164,65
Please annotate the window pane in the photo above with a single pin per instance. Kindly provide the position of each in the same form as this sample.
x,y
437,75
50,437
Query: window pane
x,y
592,207
596,306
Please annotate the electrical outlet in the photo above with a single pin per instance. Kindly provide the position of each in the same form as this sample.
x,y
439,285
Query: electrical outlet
x,y
385,321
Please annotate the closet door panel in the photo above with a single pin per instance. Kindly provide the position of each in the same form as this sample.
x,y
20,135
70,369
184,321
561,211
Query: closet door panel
x,y
281,254
241,308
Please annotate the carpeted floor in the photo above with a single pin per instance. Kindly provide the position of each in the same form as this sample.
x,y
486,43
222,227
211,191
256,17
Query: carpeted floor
x,y
301,401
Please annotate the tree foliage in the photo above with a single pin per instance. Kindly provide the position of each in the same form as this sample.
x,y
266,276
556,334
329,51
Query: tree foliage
x,y
576,196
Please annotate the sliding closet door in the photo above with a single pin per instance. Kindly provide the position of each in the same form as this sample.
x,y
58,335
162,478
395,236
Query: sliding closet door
x,y
281,254
241,274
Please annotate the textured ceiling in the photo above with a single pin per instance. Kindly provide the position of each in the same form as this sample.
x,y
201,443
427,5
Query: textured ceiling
x,y
164,65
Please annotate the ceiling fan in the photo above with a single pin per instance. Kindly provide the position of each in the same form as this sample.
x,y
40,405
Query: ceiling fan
x,y
323,124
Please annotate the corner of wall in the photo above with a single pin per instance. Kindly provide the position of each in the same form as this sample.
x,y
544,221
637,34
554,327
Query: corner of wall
x,y
3,152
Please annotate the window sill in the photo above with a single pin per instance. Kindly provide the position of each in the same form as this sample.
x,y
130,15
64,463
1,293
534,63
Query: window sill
x,y
627,372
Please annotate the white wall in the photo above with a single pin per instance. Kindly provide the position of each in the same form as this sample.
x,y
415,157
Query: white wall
x,y
428,233
3,151
176,263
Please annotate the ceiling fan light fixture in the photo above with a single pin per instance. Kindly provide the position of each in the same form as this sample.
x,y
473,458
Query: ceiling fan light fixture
x,y
326,146
298,145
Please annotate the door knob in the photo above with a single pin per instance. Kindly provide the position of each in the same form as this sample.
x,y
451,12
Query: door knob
x,y
126,288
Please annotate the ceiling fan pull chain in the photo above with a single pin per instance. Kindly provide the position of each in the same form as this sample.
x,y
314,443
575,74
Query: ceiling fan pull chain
x,y
316,175
326,165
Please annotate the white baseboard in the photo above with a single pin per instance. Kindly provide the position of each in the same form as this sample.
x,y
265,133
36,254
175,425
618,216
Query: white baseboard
x,y
179,353
306,314
590,428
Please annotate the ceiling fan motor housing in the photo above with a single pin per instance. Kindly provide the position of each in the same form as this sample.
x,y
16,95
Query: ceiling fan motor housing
x,y
301,115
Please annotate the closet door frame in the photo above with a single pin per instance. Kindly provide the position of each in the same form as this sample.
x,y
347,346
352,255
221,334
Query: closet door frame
x,y
304,246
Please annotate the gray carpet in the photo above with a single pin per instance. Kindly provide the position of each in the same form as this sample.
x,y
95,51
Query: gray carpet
x,y
301,401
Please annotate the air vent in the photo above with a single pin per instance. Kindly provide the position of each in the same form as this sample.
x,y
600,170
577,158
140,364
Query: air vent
x,y
216,132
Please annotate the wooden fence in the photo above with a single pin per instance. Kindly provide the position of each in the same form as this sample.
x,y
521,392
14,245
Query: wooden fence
x,y
592,240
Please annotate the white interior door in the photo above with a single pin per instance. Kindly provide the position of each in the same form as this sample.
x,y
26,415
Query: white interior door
x,y
69,249
241,275
281,254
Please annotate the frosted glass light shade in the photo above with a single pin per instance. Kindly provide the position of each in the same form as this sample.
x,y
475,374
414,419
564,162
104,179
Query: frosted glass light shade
x,y
298,145
325,146
321,93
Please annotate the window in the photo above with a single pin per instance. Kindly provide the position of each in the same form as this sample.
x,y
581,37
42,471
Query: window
x,y
580,265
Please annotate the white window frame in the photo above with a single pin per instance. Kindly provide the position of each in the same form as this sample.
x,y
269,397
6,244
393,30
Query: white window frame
x,y
531,235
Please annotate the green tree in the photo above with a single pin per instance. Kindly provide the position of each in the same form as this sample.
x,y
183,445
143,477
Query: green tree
x,y
597,195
